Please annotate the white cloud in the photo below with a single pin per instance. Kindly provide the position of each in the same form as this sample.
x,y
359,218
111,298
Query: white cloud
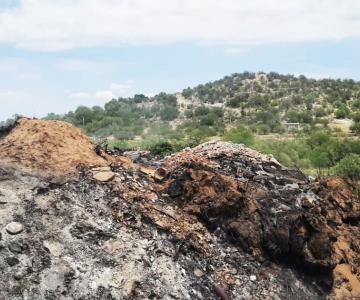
x,y
17,102
30,76
114,90
65,24
236,50
105,95
122,89
79,95
76,65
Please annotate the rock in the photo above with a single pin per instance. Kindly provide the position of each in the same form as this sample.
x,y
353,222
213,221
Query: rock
x,y
112,246
253,278
20,274
12,261
133,155
198,273
101,169
14,228
104,176
18,246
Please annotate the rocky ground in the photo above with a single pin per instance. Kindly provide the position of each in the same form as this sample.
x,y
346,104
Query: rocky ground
x,y
219,221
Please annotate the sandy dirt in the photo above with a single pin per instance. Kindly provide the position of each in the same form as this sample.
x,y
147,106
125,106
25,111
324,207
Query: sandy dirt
x,y
53,147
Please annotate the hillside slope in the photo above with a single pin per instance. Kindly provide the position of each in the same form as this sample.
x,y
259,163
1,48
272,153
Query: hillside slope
x,y
265,102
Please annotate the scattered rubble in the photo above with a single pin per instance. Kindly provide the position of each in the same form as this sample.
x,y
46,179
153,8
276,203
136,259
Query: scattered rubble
x,y
219,221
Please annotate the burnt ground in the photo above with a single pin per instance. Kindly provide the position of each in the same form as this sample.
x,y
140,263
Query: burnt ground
x,y
209,224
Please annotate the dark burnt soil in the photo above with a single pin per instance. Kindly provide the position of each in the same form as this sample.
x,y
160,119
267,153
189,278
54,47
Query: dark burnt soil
x,y
219,221
85,240
270,212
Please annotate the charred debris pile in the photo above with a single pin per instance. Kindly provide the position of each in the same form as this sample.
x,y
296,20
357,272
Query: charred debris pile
x,y
218,221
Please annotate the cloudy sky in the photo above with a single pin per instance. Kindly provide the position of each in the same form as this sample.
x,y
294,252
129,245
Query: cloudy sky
x,y
58,54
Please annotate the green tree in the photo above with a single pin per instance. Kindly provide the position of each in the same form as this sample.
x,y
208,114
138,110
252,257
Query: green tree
x,y
169,113
355,128
343,112
349,167
241,135
320,160
83,115
208,120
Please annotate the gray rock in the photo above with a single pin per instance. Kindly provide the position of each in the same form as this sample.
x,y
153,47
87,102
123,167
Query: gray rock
x,y
12,261
16,247
14,227
20,274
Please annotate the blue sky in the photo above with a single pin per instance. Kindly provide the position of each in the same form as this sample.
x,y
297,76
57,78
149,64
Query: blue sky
x,y
56,55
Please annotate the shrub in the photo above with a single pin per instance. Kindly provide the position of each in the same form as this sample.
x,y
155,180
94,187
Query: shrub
x,y
342,113
208,120
162,147
320,159
241,135
320,112
356,117
355,128
349,167
201,111
169,113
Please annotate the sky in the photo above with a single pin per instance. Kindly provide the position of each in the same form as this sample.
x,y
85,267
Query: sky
x,y
58,54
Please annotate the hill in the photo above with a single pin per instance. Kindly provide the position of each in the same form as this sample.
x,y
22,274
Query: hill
x,y
265,102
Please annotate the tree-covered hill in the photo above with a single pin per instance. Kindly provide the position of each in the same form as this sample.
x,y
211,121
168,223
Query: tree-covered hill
x,y
264,102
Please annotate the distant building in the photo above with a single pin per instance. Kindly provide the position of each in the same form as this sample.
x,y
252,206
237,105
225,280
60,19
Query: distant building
x,y
292,126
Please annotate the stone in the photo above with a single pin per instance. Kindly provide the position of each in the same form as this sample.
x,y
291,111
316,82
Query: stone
x,y
104,176
20,274
101,169
14,228
12,261
15,247
198,273
112,246
253,278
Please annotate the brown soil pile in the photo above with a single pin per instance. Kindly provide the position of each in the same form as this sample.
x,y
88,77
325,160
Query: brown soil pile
x,y
53,147
267,210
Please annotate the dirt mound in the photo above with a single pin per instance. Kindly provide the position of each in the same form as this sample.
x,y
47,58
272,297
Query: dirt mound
x,y
269,211
219,221
50,146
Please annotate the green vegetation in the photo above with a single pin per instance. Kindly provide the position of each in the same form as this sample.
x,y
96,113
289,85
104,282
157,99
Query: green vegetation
x,y
240,135
264,102
349,167
297,114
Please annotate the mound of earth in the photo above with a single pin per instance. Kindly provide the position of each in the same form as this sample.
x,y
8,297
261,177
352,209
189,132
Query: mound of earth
x,y
219,221
271,212
53,147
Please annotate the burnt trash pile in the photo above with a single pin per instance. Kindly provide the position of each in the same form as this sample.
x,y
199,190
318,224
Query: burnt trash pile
x,y
218,221
269,211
